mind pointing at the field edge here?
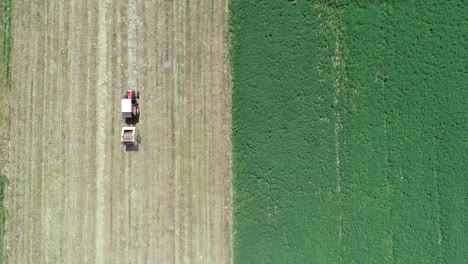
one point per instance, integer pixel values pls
(6, 7)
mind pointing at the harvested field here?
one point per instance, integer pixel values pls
(75, 195)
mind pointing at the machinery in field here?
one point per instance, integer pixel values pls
(131, 114)
(130, 109)
(129, 136)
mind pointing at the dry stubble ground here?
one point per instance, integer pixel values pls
(75, 195)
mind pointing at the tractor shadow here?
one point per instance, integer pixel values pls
(132, 120)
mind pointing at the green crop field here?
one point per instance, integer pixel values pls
(5, 83)
(350, 139)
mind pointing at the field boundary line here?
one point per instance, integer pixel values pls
(5, 116)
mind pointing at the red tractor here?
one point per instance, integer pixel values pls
(130, 109)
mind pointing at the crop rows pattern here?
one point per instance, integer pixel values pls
(350, 131)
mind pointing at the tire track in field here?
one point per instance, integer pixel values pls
(46, 207)
(132, 44)
(102, 99)
(60, 61)
(68, 195)
(332, 24)
(74, 72)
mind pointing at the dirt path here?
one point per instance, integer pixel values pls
(75, 195)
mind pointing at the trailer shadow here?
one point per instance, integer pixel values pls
(134, 147)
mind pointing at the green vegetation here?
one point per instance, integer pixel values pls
(6, 35)
(7, 40)
(285, 183)
(350, 131)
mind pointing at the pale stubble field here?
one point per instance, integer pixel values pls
(75, 195)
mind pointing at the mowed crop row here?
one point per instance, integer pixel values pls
(350, 132)
(74, 194)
